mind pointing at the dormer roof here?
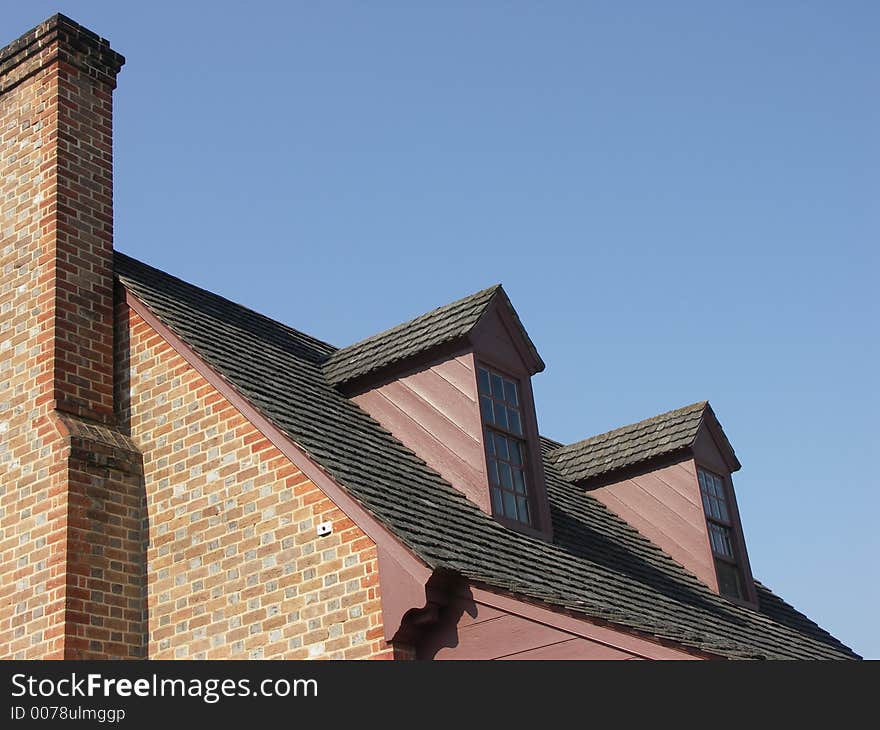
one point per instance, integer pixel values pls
(443, 326)
(638, 443)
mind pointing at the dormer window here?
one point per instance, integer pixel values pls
(721, 534)
(505, 446)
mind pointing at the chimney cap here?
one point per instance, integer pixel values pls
(77, 45)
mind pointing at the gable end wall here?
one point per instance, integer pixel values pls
(234, 565)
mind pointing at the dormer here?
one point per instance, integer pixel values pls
(670, 477)
(454, 386)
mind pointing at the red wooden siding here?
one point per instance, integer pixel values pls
(472, 629)
(433, 409)
(434, 412)
(665, 506)
(494, 339)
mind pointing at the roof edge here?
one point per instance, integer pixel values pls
(717, 431)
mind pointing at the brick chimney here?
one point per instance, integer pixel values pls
(71, 566)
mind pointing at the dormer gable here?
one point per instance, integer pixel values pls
(454, 385)
(670, 478)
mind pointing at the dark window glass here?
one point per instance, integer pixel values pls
(729, 583)
(500, 416)
(714, 501)
(497, 386)
(513, 422)
(720, 537)
(505, 449)
(510, 393)
(484, 382)
(497, 507)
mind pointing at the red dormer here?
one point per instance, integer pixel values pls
(670, 478)
(454, 386)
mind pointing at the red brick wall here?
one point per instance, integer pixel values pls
(235, 567)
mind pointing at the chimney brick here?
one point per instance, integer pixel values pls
(71, 485)
(56, 85)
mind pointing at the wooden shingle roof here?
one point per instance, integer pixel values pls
(450, 323)
(628, 446)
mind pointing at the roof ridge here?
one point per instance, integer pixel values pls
(627, 446)
(439, 326)
(130, 260)
(476, 296)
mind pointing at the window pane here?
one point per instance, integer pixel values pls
(714, 500)
(513, 423)
(710, 484)
(717, 545)
(497, 387)
(714, 539)
(490, 441)
(486, 404)
(519, 483)
(509, 505)
(501, 447)
(523, 509)
(505, 474)
(510, 392)
(728, 542)
(713, 508)
(728, 579)
(500, 415)
(706, 505)
(516, 456)
(721, 543)
(483, 380)
(496, 501)
(722, 510)
(493, 472)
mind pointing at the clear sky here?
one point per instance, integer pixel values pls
(680, 198)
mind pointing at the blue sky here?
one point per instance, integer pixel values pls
(681, 200)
